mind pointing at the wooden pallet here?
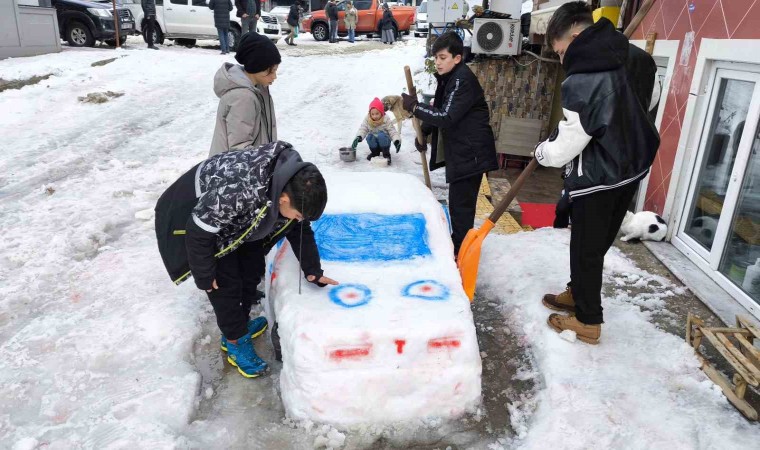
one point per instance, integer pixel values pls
(740, 353)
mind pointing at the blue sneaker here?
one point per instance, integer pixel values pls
(244, 357)
(256, 327)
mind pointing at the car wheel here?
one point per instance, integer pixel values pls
(78, 35)
(320, 32)
(233, 37)
(158, 36)
(185, 42)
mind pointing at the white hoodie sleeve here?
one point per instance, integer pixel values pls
(568, 142)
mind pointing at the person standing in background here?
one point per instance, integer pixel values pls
(332, 15)
(352, 16)
(222, 10)
(149, 10)
(294, 18)
(249, 12)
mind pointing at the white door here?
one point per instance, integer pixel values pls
(720, 221)
(202, 18)
(177, 16)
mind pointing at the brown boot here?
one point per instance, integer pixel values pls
(589, 334)
(560, 302)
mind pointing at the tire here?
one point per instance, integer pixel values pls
(233, 38)
(78, 35)
(158, 35)
(320, 31)
(185, 42)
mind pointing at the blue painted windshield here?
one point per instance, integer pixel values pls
(371, 237)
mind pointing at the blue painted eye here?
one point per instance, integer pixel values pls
(350, 295)
(426, 290)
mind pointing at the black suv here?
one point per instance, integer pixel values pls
(84, 22)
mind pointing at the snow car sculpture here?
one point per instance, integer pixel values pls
(395, 341)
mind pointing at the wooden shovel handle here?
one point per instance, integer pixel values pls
(417, 127)
(504, 203)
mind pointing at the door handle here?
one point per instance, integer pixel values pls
(192, 10)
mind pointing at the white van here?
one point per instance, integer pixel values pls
(186, 21)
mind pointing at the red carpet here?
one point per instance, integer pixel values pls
(537, 215)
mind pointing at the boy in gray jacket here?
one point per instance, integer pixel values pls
(245, 116)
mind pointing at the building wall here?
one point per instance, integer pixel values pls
(27, 30)
(680, 20)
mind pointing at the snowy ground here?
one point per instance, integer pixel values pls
(98, 349)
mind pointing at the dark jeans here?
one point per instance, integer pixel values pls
(223, 39)
(596, 220)
(463, 196)
(248, 23)
(351, 35)
(237, 275)
(150, 28)
(333, 31)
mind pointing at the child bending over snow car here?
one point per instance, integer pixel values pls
(219, 220)
(379, 131)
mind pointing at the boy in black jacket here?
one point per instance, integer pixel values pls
(219, 220)
(462, 139)
(606, 143)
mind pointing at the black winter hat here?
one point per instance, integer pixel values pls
(257, 53)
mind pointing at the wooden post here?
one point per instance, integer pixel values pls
(651, 37)
(116, 23)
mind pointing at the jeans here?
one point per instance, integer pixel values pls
(223, 39)
(351, 34)
(333, 31)
(249, 24)
(378, 140)
(150, 24)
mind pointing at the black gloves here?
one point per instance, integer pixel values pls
(397, 144)
(356, 142)
(420, 147)
(409, 102)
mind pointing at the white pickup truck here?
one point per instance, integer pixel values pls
(185, 21)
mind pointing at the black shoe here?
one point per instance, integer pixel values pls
(369, 157)
(153, 47)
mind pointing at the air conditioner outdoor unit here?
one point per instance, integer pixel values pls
(496, 37)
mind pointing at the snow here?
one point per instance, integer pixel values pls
(99, 349)
(382, 351)
(639, 388)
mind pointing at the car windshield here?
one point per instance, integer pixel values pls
(369, 237)
(422, 8)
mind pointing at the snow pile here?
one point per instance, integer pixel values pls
(639, 388)
(397, 342)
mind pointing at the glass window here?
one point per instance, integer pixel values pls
(158, 2)
(422, 8)
(740, 260)
(200, 3)
(730, 113)
(179, 2)
(363, 4)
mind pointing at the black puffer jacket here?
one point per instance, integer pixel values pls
(387, 22)
(459, 116)
(294, 15)
(221, 10)
(149, 8)
(224, 201)
(606, 140)
(332, 11)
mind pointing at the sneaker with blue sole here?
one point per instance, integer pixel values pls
(256, 327)
(244, 357)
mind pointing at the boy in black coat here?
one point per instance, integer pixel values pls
(219, 220)
(462, 139)
(606, 143)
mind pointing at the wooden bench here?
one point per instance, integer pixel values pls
(736, 345)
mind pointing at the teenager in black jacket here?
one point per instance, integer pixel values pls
(219, 220)
(607, 144)
(462, 139)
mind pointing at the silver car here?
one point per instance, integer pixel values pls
(281, 12)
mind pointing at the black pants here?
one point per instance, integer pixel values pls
(237, 275)
(596, 220)
(376, 152)
(463, 196)
(150, 25)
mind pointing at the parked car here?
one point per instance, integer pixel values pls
(370, 13)
(82, 22)
(421, 26)
(281, 13)
(186, 21)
